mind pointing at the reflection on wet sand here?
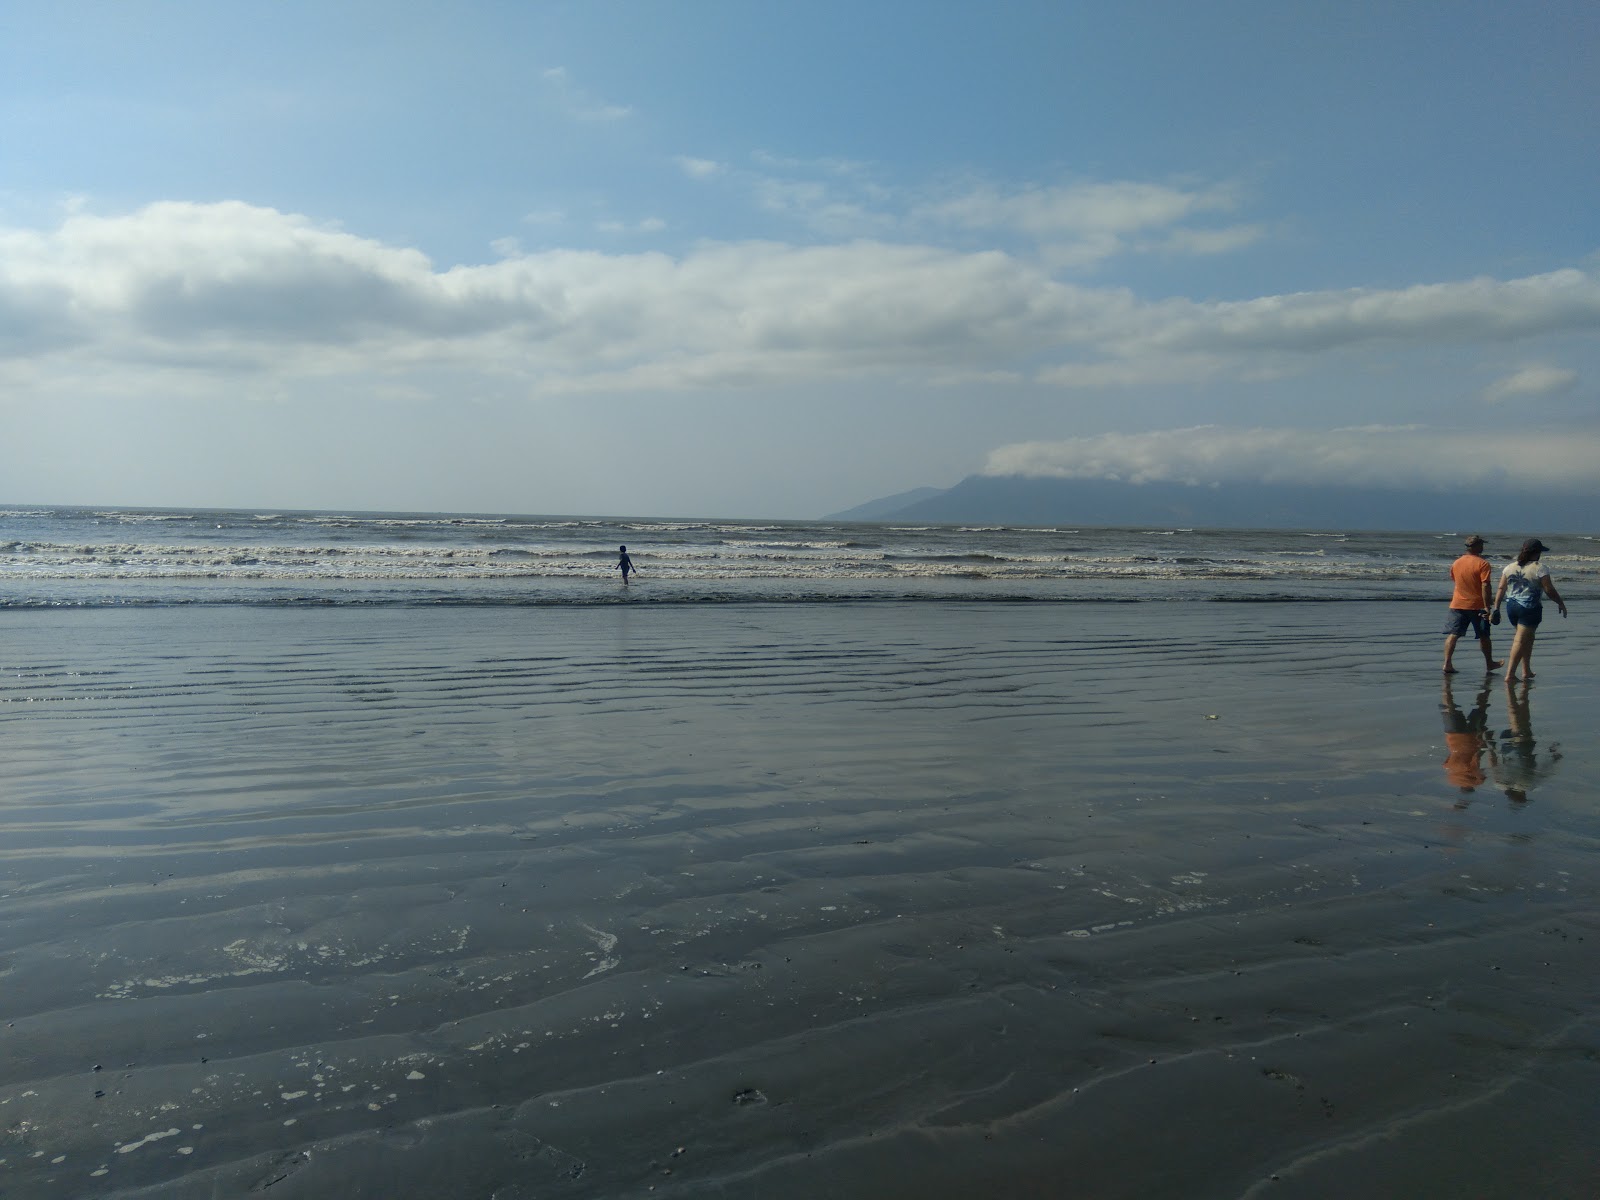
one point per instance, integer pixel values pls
(1518, 764)
(1466, 737)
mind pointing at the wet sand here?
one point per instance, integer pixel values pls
(1149, 901)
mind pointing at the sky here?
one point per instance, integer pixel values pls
(721, 258)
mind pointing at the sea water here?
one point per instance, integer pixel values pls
(98, 556)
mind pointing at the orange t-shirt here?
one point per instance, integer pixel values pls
(1463, 764)
(1471, 573)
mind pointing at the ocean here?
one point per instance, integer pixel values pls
(127, 556)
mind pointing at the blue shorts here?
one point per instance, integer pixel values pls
(1528, 615)
(1461, 618)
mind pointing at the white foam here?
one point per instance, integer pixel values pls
(130, 1147)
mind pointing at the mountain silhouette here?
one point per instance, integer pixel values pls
(1034, 500)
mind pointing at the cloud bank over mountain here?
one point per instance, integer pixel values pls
(1373, 477)
(1368, 457)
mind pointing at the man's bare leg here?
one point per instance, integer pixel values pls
(1450, 641)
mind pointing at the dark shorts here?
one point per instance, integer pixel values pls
(1524, 614)
(1461, 619)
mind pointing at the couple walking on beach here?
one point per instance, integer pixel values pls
(1523, 585)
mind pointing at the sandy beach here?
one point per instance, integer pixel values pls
(935, 900)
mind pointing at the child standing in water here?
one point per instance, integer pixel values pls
(624, 563)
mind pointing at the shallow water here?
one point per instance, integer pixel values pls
(850, 900)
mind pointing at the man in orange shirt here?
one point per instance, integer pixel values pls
(1469, 606)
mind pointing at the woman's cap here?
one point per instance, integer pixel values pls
(1534, 546)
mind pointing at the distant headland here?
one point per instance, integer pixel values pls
(1039, 500)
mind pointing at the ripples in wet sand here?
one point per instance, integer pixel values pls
(939, 900)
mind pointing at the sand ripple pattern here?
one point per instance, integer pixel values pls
(931, 900)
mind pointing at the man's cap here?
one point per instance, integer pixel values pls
(1534, 544)
(1474, 540)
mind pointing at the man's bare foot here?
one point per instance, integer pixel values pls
(1449, 670)
(1527, 674)
(1494, 665)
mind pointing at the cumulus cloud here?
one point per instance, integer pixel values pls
(1371, 456)
(237, 285)
(191, 278)
(1533, 380)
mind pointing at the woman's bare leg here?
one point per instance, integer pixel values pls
(1521, 652)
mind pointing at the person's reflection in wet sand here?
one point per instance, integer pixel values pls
(1519, 766)
(1466, 736)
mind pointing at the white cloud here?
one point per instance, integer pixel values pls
(1076, 210)
(1533, 380)
(1069, 227)
(1372, 456)
(1470, 310)
(1145, 372)
(1082, 253)
(231, 284)
(236, 286)
(577, 103)
(1162, 342)
(832, 197)
(1080, 225)
(190, 280)
(698, 168)
(821, 207)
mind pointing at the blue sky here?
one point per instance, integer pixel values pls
(740, 259)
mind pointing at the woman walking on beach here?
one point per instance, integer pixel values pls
(1520, 586)
(624, 563)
